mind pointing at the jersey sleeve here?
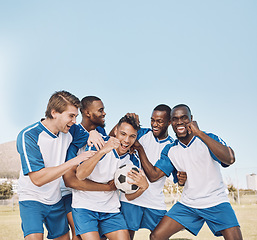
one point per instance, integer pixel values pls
(218, 139)
(30, 154)
(165, 164)
(79, 139)
(101, 131)
(142, 131)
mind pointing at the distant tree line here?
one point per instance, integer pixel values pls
(6, 191)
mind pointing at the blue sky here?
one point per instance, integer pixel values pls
(135, 55)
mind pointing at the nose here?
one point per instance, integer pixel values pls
(154, 123)
(104, 113)
(74, 120)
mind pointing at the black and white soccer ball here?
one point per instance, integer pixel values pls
(121, 179)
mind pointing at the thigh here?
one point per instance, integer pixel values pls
(32, 218)
(166, 228)
(56, 221)
(117, 235)
(34, 236)
(90, 236)
(233, 233)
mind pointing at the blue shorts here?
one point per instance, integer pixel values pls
(141, 217)
(90, 221)
(67, 202)
(218, 218)
(34, 214)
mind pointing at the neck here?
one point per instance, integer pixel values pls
(88, 126)
(186, 139)
(49, 124)
(163, 136)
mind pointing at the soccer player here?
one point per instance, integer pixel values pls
(148, 209)
(204, 199)
(99, 211)
(42, 148)
(93, 118)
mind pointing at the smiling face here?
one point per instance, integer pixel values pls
(127, 136)
(64, 120)
(96, 113)
(180, 117)
(160, 123)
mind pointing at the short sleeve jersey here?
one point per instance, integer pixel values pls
(103, 172)
(153, 197)
(73, 151)
(204, 186)
(40, 148)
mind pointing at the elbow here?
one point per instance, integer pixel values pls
(79, 177)
(153, 179)
(38, 183)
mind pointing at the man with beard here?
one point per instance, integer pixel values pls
(204, 199)
(148, 209)
(93, 118)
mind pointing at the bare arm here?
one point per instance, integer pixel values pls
(140, 180)
(153, 173)
(87, 167)
(222, 152)
(72, 181)
(49, 174)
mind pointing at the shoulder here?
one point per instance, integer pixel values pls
(169, 147)
(215, 137)
(101, 131)
(142, 131)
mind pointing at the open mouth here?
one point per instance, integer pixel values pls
(181, 129)
(124, 146)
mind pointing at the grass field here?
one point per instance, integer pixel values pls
(247, 216)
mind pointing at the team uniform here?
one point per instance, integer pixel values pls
(66, 191)
(39, 148)
(148, 209)
(99, 210)
(204, 197)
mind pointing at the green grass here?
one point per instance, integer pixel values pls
(247, 216)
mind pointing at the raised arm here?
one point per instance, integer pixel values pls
(223, 153)
(87, 167)
(153, 173)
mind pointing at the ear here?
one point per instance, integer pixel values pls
(115, 131)
(53, 113)
(87, 113)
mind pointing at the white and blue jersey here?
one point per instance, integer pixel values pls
(73, 151)
(40, 148)
(204, 187)
(103, 172)
(153, 197)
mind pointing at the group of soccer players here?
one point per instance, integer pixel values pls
(68, 170)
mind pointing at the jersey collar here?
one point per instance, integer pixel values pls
(189, 144)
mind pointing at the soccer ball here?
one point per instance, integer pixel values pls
(121, 179)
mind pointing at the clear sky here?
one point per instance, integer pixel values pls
(135, 55)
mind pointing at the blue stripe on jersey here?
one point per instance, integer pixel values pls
(31, 157)
(165, 164)
(142, 131)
